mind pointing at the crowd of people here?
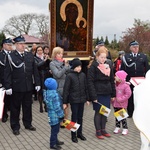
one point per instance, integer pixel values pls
(60, 85)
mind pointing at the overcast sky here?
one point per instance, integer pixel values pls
(110, 16)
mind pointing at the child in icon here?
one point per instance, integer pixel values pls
(55, 111)
(123, 93)
(75, 93)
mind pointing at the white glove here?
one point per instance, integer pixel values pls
(9, 92)
(2, 88)
(37, 88)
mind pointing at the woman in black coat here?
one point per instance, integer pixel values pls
(42, 61)
(101, 89)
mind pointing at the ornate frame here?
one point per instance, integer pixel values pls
(85, 14)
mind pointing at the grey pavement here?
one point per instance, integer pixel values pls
(39, 139)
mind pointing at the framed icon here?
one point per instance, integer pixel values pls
(72, 26)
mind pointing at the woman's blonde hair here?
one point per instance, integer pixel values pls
(56, 50)
(102, 49)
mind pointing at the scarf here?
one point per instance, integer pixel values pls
(40, 56)
(104, 68)
(59, 59)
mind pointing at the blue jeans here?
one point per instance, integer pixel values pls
(54, 133)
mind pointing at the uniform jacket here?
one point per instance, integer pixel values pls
(54, 106)
(99, 83)
(75, 88)
(139, 69)
(59, 71)
(20, 79)
(3, 59)
(123, 93)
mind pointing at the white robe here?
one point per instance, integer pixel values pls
(142, 111)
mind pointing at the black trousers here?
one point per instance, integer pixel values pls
(19, 99)
(7, 100)
(77, 115)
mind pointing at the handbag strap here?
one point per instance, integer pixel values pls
(98, 103)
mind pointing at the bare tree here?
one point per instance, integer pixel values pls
(31, 24)
(18, 24)
(42, 23)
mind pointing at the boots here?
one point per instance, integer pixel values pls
(80, 135)
(74, 137)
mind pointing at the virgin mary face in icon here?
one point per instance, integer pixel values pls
(71, 13)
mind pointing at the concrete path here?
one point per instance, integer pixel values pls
(39, 139)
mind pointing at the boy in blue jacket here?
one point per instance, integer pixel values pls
(55, 111)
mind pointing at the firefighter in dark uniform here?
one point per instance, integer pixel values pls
(6, 49)
(18, 78)
(136, 65)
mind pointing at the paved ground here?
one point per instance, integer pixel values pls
(39, 140)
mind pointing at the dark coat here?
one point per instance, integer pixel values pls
(21, 79)
(75, 88)
(99, 83)
(43, 68)
(139, 69)
(3, 59)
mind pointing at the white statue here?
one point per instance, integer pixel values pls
(142, 111)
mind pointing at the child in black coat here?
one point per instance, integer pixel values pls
(75, 93)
